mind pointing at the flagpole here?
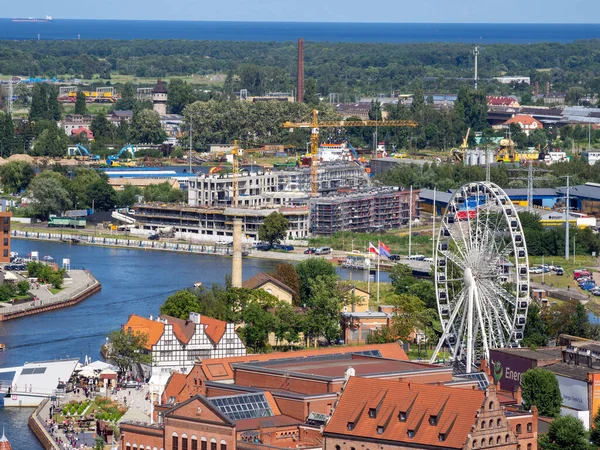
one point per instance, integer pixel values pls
(410, 205)
(378, 278)
(433, 227)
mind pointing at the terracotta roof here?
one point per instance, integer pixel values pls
(265, 422)
(456, 411)
(215, 369)
(175, 384)
(183, 329)
(524, 119)
(500, 101)
(214, 328)
(4, 444)
(153, 328)
(83, 130)
(260, 279)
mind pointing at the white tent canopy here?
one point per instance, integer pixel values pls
(100, 365)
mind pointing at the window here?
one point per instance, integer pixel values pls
(337, 447)
(379, 430)
(350, 426)
(483, 442)
(491, 425)
(402, 417)
(483, 425)
(491, 441)
(203, 445)
(411, 433)
(518, 428)
(223, 446)
(528, 446)
(529, 427)
(194, 444)
(506, 438)
(175, 443)
(128, 446)
(5, 254)
(498, 440)
(6, 220)
(184, 443)
(213, 446)
(5, 241)
(499, 423)
(491, 405)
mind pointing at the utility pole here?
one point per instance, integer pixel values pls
(410, 206)
(476, 53)
(9, 108)
(567, 223)
(488, 157)
(530, 187)
(190, 145)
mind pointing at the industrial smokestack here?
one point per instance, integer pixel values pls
(300, 92)
(236, 265)
(536, 91)
(547, 88)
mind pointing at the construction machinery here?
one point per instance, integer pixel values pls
(458, 154)
(115, 160)
(86, 153)
(315, 124)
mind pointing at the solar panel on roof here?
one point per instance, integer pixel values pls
(480, 377)
(247, 406)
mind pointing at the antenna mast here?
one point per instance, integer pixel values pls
(476, 53)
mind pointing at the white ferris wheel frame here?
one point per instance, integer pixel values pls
(476, 312)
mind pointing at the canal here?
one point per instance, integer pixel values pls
(133, 282)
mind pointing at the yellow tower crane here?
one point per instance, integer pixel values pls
(315, 124)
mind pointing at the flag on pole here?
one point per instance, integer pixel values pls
(384, 250)
(373, 249)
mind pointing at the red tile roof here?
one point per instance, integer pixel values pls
(362, 399)
(152, 328)
(85, 130)
(260, 279)
(500, 101)
(174, 386)
(524, 119)
(183, 329)
(214, 328)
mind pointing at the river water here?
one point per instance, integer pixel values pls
(133, 282)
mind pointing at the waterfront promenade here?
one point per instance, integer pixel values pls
(78, 285)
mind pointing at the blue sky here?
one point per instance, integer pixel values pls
(482, 11)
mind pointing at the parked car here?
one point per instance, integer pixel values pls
(560, 272)
(535, 270)
(394, 258)
(323, 251)
(310, 251)
(287, 248)
(595, 291)
(588, 286)
(154, 237)
(262, 247)
(221, 242)
(557, 268)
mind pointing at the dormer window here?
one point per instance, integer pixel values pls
(402, 416)
(379, 429)
(411, 433)
(433, 420)
(441, 437)
(372, 413)
(350, 426)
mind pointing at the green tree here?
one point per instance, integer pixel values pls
(23, 287)
(565, 432)
(323, 316)
(579, 323)
(146, 128)
(311, 94)
(180, 305)
(288, 323)
(103, 130)
(595, 433)
(39, 103)
(536, 329)
(540, 388)
(311, 269)
(274, 228)
(287, 274)
(48, 197)
(51, 142)
(16, 176)
(127, 196)
(80, 106)
(7, 135)
(128, 348)
(54, 108)
(258, 323)
(163, 193)
(181, 94)
(471, 107)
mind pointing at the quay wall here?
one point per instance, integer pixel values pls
(63, 301)
(37, 427)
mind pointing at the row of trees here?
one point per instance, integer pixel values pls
(350, 69)
(317, 290)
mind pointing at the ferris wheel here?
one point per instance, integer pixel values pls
(481, 270)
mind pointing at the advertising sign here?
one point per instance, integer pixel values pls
(508, 369)
(574, 393)
(595, 380)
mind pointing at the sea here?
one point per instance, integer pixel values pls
(396, 33)
(133, 282)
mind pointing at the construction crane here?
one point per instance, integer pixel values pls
(315, 124)
(459, 153)
(235, 151)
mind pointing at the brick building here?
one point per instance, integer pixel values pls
(391, 414)
(5, 216)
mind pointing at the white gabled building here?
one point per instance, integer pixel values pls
(175, 344)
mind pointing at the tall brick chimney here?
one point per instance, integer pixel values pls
(547, 88)
(536, 91)
(300, 87)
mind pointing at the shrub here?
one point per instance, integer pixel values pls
(23, 287)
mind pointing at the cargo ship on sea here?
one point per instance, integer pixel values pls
(33, 19)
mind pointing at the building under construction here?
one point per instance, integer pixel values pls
(373, 210)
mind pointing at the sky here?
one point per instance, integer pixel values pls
(428, 11)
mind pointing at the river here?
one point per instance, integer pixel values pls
(133, 282)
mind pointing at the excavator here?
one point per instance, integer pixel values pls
(506, 153)
(458, 154)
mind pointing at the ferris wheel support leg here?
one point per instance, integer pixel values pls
(486, 348)
(446, 331)
(470, 330)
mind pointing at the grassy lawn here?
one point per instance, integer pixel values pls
(92, 108)
(424, 353)
(553, 280)
(198, 79)
(85, 232)
(348, 241)
(55, 291)
(579, 262)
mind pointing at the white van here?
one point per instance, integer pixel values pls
(416, 257)
(323, 251)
